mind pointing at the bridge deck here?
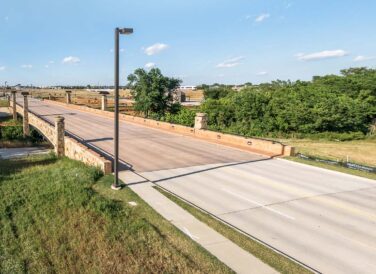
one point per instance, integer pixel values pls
(142, 148)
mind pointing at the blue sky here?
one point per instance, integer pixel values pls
(45, 42)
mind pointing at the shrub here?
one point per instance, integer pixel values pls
(184, 117)
(11, 132)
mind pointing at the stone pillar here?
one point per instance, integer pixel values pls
(8, 100)
(49, 96)
(14, 105)
(59, 136)
(104, 99)
(25, 120)
(201, 121)
(69, 98)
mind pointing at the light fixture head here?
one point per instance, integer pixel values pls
(126, 31)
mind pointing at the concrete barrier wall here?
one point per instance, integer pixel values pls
(261, 146)
(73, 149)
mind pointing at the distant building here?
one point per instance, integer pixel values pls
(187, 87)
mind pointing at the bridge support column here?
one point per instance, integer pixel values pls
(8, 100)
(69, 97)
(201, 121)
(25, 120)
(104, 99)
(59, 136)
(14, 105)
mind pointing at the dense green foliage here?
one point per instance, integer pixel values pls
(53, 220)
(12, 130)
(341, 104)
(184, 117)
(217, 92)
(334, 107)
(153, 92)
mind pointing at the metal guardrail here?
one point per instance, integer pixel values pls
(349, 165)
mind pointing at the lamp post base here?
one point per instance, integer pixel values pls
(115, 187)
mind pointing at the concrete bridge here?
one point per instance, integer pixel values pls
(324, 219)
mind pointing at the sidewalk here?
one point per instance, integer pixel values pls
(226, 251)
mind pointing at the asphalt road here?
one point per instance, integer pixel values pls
(324, 219)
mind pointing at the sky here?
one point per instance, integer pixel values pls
(70, 42)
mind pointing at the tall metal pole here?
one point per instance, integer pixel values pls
(116, 113)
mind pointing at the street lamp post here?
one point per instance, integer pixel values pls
(118, 31)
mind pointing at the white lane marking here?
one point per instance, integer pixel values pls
(261, 205)
(186, 231)
(355, 241)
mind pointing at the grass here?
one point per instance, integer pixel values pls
(268, 256)
(60, 216)
(18, 140)
(335, 168)
(3, 103)
(358, 151)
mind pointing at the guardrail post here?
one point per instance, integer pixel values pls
(201, 121)
(25, 120)
(68, 95)
(104, 99)
(59, 136)
(14, 105)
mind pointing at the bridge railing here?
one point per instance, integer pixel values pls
(74, 147)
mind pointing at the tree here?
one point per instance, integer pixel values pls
(217, 92)
(153, 92)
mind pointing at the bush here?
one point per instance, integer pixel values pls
(11, 132)
(217, 92)
(184, 117)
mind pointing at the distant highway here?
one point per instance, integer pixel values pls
(322, 218)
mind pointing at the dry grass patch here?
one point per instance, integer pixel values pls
(358, 151)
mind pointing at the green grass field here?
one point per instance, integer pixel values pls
(60, 216)
(3, 103)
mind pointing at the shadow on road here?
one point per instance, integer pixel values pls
(197, 171)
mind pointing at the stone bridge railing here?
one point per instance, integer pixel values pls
(258, 145)
(71, 148)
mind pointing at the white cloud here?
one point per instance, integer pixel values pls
(46, 66)
(51, 62)
(2, 68)
(149, 65)
(326, 54)
(71, 60)
(156, 48)
(6, 18)
(262, 73)
(27, 66)
(361, 58)
(262, 17)
(229, 63)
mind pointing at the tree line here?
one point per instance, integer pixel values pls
(342, 106)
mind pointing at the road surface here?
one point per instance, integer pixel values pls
(324, 219)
